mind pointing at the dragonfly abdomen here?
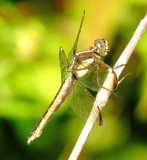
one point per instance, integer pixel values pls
(59, 98)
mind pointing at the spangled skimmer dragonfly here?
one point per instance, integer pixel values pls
(80, 72)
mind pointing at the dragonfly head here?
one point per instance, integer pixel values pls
(101, 47)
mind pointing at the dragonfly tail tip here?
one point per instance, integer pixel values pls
(30, 140)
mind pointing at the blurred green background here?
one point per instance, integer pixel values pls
(31, 33)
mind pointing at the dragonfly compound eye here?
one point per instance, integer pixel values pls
(101, 46)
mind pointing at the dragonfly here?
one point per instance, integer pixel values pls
(80, 72)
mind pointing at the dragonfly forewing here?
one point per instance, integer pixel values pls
(96, 76)
(74, 49)
(64, 64)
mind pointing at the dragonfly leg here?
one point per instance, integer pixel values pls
(91, 48)
(100, 118)
(122, 65)
(106, 65)
(123, 78)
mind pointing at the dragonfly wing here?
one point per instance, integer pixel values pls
(89, 80)
(73, 51)
(81, 100)
(63, 64)
(95, 77)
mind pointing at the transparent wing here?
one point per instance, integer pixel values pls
(81, 100)
(63, 64)
(73, 51)
(95, 77)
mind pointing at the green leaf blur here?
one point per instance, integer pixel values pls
(31, 33)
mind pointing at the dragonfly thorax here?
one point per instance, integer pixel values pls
(84, 62)
(83, 67)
